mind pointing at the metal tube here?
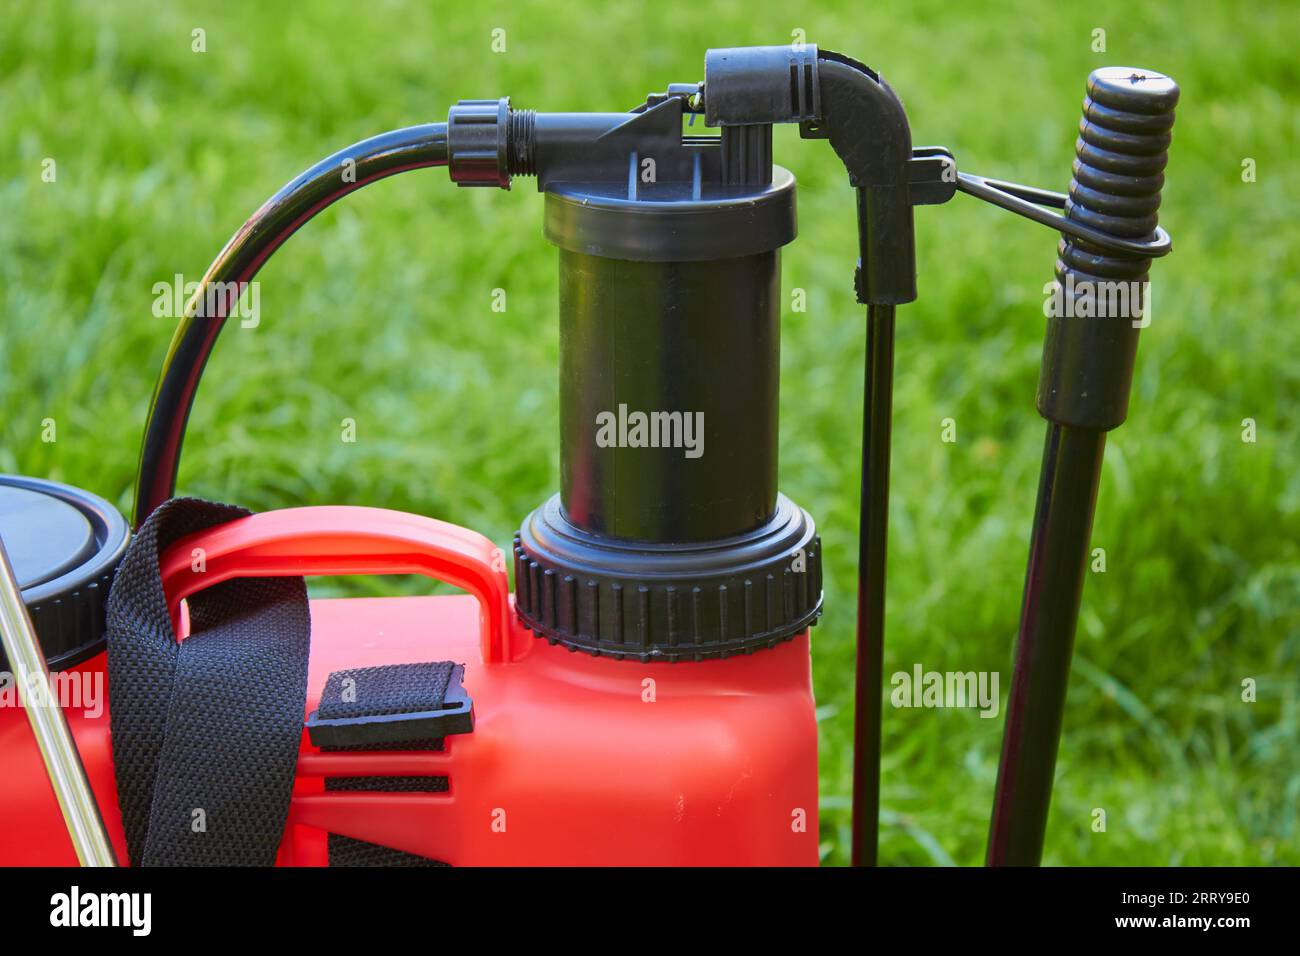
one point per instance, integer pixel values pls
(873, 537)
(265, 231)
(49, 727)
(1058, 562)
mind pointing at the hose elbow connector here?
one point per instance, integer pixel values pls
(867, 127)
(832, 96)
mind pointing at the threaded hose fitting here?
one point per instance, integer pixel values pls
(521, 142)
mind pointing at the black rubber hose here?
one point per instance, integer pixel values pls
(265, 231)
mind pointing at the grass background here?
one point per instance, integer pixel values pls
(381, 311)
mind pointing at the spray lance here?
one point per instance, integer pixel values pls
(669, 322)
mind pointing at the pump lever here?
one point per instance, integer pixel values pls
(1028, 201)
(934, 180)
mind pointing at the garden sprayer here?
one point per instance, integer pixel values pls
(644, 695)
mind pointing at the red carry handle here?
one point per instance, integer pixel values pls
(344, 540)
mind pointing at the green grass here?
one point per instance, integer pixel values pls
(381, 311)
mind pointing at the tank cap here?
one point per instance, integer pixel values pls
(64, 544)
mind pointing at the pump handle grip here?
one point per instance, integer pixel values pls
(345, 540)
(1118, 174)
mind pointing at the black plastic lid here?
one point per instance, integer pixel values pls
(64, 545)
(671, 221)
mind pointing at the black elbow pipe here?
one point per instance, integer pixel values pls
(867, 127)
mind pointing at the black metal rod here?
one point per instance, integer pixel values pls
(873, 536)
(1058, 563)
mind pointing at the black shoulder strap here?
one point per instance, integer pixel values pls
(193, 723)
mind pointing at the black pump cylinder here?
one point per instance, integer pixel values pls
(669, 376)
(669, 539)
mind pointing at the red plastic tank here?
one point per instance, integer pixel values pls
(573, 760)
